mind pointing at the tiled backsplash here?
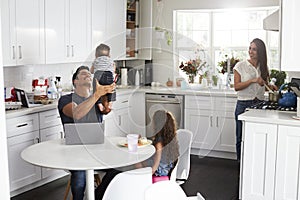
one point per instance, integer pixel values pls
(22, 76)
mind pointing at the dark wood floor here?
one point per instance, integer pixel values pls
(214, 178)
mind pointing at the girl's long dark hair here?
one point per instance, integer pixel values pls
(165, 129)
(262, 58)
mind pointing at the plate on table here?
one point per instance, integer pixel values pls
(295, 117)
(123, 143)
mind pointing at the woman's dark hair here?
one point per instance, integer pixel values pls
(77, 72)
(262, 58)
(165, 129)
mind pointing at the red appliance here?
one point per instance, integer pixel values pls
(39, 88)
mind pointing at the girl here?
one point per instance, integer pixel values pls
(165, 142)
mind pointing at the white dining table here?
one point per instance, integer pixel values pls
(57, 155)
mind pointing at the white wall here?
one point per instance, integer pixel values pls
(164, 67)
(4, 183)
(22, 76)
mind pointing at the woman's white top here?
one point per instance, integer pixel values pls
(247, 71)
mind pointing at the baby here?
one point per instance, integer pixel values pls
(103, 69)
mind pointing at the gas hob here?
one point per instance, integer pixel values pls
(268, 105)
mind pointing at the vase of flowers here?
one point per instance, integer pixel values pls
(192, 68)
(228, 63)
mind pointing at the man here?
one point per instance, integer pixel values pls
(79, 107)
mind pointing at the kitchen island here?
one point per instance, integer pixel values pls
(270, 155)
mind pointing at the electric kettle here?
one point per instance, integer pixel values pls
(288, 99)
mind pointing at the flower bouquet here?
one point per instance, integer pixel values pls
(193, 67)
(224, 64)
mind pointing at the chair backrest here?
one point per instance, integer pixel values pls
(185, 141)
(164, 190)
(129, 184)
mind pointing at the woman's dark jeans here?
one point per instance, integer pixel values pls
(240, 108)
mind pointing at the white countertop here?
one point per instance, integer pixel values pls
(178, 90)
(26, 111)
(130, 90)
(270, 117)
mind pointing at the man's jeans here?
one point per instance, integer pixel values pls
(240, 108)
(77, 184)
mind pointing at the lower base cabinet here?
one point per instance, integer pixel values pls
(24, 131)
(21, 173)
(271, 162)
(212, 121)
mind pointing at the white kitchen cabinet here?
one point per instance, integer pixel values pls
(98, 21)
(117, 122)
(290, 31)
(145, 30)
(109, 24)
(22, 32)
(22, 132)
(225, 123)
(50, 129)
(115, 28)
(139, 21)
(259, 161)
(67, 30)
(288, 163)
(211, 119)
(271, 157)
(137, 115)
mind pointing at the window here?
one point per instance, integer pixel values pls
(222, 32)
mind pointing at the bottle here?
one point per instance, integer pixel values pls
(137, 78)
(58, 86)
(52, 90)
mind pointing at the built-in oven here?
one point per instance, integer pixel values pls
(170, 102)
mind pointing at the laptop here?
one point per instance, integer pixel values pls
(84, 133)
(22, 97)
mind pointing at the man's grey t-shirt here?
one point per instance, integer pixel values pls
(93, 115)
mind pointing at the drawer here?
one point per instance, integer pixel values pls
(199, 102)
(23, 124)
(49, 118)
(225, 103)
(121, 102)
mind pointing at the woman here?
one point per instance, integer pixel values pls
(249, 79)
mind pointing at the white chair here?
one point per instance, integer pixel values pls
(183, 165)
(129, 185)
(164, 190)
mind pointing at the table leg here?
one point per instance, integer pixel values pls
(90, 184)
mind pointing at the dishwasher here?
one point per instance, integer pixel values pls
(170, 102)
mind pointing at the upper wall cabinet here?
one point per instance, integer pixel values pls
(145, 30)
(125, 26)
(22, 32)
(139, 29)
(108, 26)
(66, 31)
(290, 31)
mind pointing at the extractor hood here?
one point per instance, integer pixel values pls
(271, 23)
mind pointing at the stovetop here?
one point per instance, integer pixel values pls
(268, 105)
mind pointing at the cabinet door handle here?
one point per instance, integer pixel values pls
(14, 52)
(68, 48)
(36, 140)
(21, 125)
(20, 52)
(217, 122)
(72, 47)
(62, 134)
(211, 121)
(119, 120)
